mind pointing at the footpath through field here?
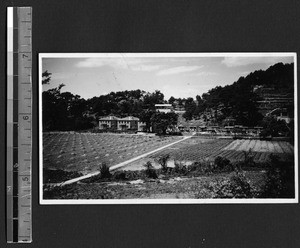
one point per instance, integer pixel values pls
(117, 166)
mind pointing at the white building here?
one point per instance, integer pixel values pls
(129, 123)
(165, 108)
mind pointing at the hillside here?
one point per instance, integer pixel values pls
(241, 100)
(246, 101)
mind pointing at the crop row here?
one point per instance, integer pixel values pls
(232, 150)
(194, 152)
(261, 146)
(85, 152)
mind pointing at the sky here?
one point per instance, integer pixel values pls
(177, 75)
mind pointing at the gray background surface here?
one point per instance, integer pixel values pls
(154, 26)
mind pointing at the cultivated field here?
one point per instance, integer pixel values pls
(195, 149)
(84, 152)
(198, 149)
(72, 155)
(260, 149)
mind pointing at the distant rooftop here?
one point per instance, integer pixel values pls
(110, 117)
(129, 118)
(163, 105)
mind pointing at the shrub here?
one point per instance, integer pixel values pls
(248, 158)
(193, 167)
(200, 168)
(180, 168)
(162, 160)
(104, 171)
(120, 175)
(279, 179)
(240, 186)
(237, 186)
(223, 164)
(150, 171)
(128, 175)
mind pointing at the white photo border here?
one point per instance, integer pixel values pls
(165, 201)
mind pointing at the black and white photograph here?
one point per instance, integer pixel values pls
(119, 128)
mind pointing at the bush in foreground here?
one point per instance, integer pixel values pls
(279, 179)
(223, 164)
(150, 171)
(237, 186)
(104, 171)
(180, 168)
(162, 160)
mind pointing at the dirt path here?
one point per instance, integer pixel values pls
(117, 166)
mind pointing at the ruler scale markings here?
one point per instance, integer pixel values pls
(24, 53)
(19, 124)
(15, 119)
(9, 151)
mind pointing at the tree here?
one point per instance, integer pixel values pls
(54, 114)
(190, 108)
(151, 99)
(162, 121)
(201, 106)
(146, 116)
(239, 100)
(62, 110)
(46, 77)
(273, 127)
(171, 100)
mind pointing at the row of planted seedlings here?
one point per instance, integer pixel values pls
(54, 141)
(196, 151)
(206, 149)
(71, 141)
(261, 146)
(51, 137)
(76, 139)
(84, 152)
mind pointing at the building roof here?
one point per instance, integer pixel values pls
(129, 118)
(108, 118)
(163, 105)
(111, 118)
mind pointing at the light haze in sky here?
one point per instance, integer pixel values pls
(174, 76)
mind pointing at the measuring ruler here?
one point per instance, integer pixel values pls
(19, 113)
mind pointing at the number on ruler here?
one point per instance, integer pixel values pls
(24, 55)
(25, 179)
(8, 189)
(26, 117)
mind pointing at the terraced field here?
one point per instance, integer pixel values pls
(260, 149)
(197, 149)
(84, 152)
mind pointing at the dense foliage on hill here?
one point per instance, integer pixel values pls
(65, 111)
(280, 76)
(124, 103)
(239, 100)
